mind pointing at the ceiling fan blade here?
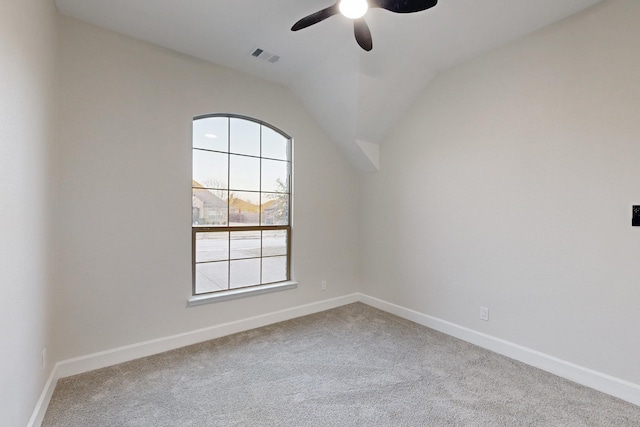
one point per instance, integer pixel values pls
(363, 34)
(403, 6)
(314, 18)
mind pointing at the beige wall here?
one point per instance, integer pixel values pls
(126, 111)
(27, 133)
(510, 185)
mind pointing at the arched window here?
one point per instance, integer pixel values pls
(241, 225)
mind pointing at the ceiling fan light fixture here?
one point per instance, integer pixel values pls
(356, 9)
(353, 9)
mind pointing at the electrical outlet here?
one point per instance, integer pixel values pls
(484, 314)
(44, 358)
(323, 285)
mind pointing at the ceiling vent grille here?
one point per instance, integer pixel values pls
(263, 55)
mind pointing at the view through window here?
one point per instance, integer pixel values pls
(241, 217)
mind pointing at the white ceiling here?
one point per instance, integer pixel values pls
(355, 96)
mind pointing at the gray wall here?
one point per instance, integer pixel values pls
(27, 134)
(509, 185)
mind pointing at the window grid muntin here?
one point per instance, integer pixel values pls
(197, 228)
(195, 231)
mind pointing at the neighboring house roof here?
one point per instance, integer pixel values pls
(270, 205)
(244, 206)
(211, 200)
(207, 198)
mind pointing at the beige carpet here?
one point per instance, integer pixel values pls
(351, 366)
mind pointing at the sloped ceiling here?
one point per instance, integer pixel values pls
(355, 96)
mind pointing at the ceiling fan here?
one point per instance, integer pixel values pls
(356, 9)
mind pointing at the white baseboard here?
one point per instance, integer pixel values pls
(43, 401)
(114, 356)
(613, 386)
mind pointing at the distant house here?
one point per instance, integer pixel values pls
(208, 209)
(273, 212)
(243, 212)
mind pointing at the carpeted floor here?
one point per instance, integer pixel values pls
(351, 366)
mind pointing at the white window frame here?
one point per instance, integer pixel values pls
(256, 289)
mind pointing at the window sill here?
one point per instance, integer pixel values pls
(240, 293)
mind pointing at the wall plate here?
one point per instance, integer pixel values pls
(635, 221)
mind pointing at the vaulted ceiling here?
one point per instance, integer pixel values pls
(355, 96)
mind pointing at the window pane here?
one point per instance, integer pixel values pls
(244, 173)
(244, 208)
(210, 169)
(245, 137)
(245, 244)
(274, 269)
(212, 276)
(212, 247)
(245, 272)
(275, 211)
(274, 145)
(211, 133)
(275, 176)
(209, 207)
(274, 242)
